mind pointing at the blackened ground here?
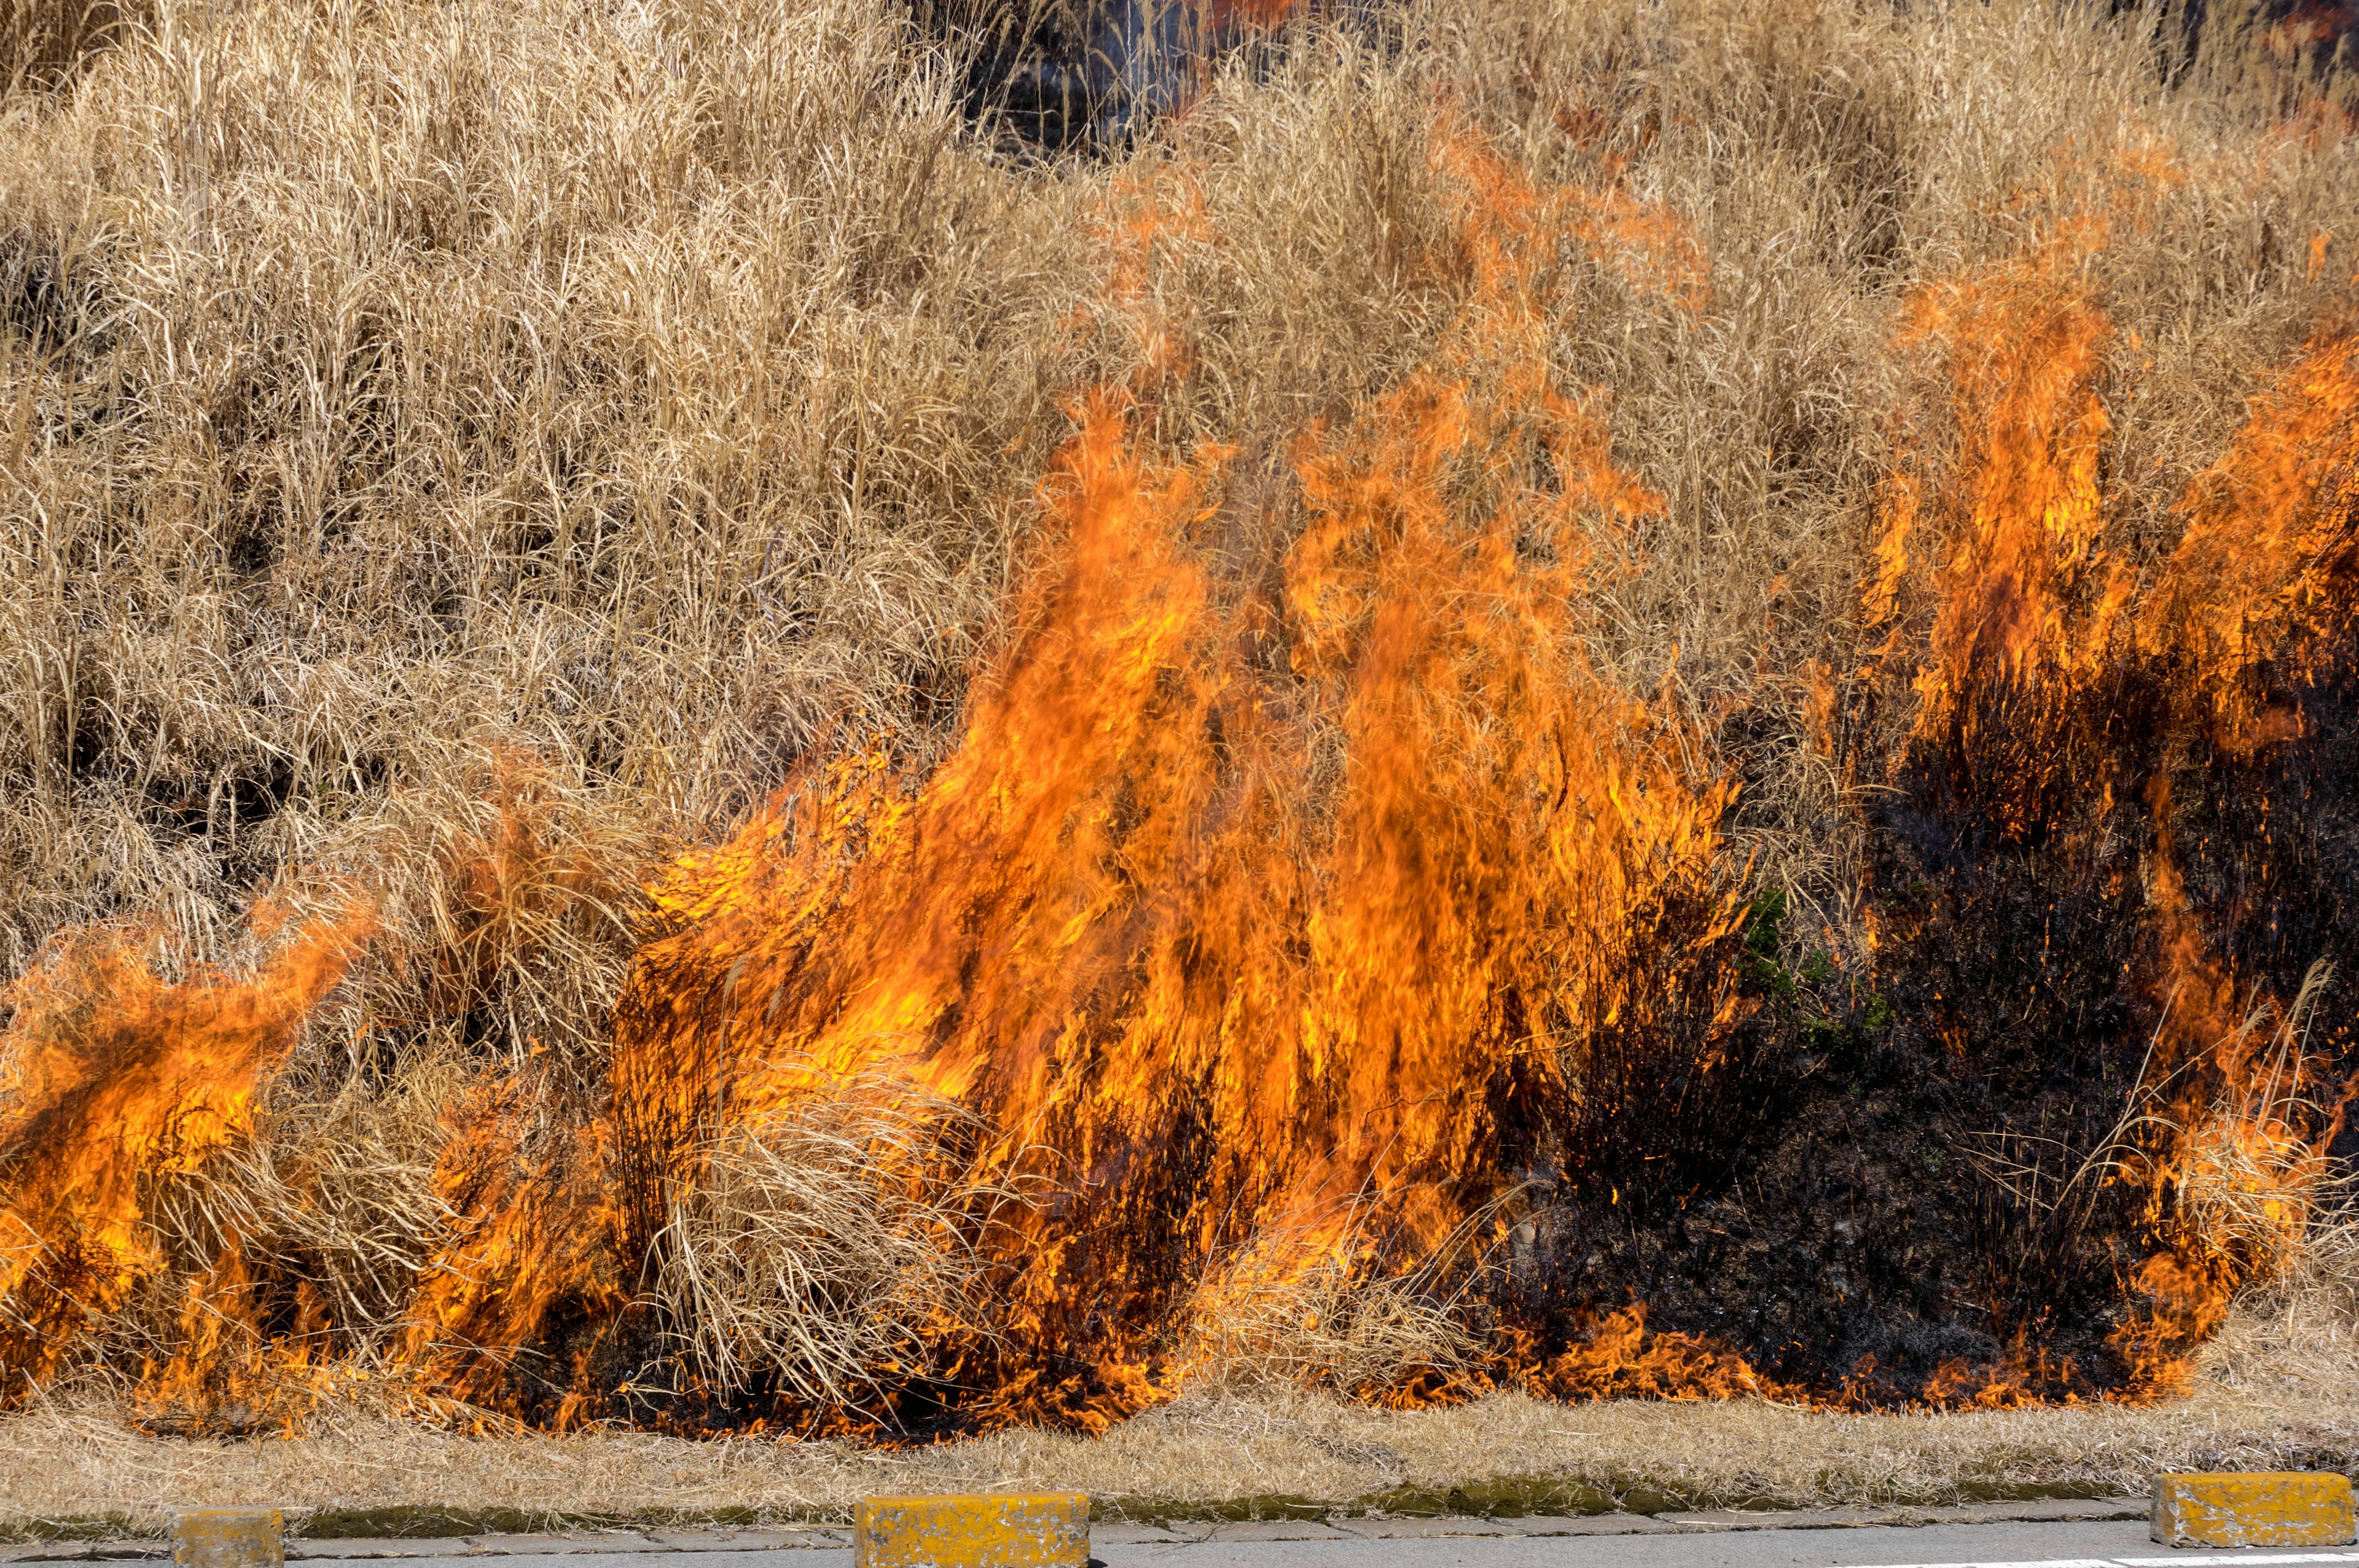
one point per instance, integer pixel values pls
(1896, 1184)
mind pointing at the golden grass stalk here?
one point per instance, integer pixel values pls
(820, 1245)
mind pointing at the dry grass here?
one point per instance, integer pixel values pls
(645, 389)
(1321, 1312)
(455, 451)
(395, 388)
(337, 1194)
(825, 1241)
(2278, 1388)
(1202, 1451)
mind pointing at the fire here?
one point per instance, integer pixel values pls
(1619, 1359)
(1287, 840)
(117, 1079)
(1304, 904)
(2026, 592)
(2040, 629)
(2262, 573)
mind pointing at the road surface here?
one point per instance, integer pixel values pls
(2059, 1535)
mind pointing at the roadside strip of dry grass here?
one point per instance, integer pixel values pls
(66, 1472)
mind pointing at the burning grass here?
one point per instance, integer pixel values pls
(1558, 698)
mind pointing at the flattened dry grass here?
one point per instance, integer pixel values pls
(1207, 1450)
(2276, 1388)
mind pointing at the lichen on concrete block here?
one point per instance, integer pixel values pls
(229, 1538)
(2255, 1508)
(1040, 1530)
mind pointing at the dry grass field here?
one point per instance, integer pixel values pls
(2276, 1390)
(399, 393)
(459, 459)
(1220, 1456)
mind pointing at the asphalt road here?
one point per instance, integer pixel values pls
(2051, 1545)
(1608, 1542)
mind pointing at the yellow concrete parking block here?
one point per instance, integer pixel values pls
(229, 1538)
(1038, 1529)
(2291, 1507)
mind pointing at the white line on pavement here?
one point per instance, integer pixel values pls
(2035, 1562)
(2246, 1559)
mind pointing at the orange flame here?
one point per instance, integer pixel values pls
(2034, 613)
(115, 1078)
(1199, 998)
(2025, 348)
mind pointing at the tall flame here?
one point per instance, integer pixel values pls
(1292, 836)
(2064, 687)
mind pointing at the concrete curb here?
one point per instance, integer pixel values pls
(1693, 1523)
(656, 1542)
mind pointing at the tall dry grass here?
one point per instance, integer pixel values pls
(456, 451)
(645, 387)
(828, 1241)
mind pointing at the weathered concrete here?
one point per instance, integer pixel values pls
(2292, 1508)
(981, 1529)
(229, 1538)
(2109, 1532)
(1605, 1541)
